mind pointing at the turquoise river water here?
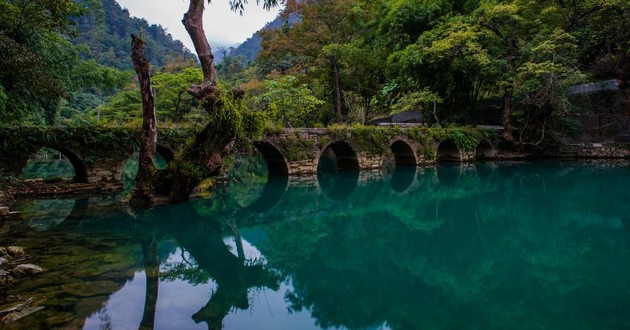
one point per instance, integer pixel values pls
(476, 246)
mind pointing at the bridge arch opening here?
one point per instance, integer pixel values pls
(130, 166)
(399, 167)
(258, 179)
(53, 163)
(485, 150)
(338, 170)
(276, 164)
(342, 154)
(403, 154)
(167, 153)
(448, 151)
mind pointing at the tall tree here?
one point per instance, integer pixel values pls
(203, 157)
(319, 44)
(35, 60)
(142, 191)
(193, 22)
(529, 45)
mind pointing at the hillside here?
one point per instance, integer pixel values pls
(250, 48)
(106, 31)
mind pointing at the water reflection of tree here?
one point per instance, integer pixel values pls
(235, 276)
(529, 246)
(151, 261)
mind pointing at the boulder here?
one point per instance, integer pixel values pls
(26, 270)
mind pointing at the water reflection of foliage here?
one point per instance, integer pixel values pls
(81, 271)
(496, 266)
(44, 214)
(248, 178)
(534, 246)
(185, 271)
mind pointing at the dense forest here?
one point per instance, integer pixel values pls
(324, 62)
(106, 30)
(372, 58)
(61, 60)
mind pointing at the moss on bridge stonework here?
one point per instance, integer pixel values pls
(93, 144)
(301, 144)
(103, 150)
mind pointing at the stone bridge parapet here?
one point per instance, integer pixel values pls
(99, 153)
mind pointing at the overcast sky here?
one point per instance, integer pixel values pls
(223, 27)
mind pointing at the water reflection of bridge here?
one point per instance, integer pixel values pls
(400, 244)
(202, 237)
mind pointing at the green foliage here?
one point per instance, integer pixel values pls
(288, 102)
(452, 57)
(173, 104)
(55, 57)
(294, 147)
(40, 70)
(20, 143)
(572, 127)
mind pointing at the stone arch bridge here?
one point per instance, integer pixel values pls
(98, 154)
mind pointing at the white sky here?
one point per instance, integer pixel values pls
(223, 27)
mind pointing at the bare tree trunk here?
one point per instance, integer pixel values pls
(193, 22)
(507, 115)
(435, 116)
(149, 122)
(338, 100)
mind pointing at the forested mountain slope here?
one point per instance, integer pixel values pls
(250, 48)
(106, 30)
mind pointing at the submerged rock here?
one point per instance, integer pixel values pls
(3, 261)
(16, 252)
(17, 315)
(26, 270)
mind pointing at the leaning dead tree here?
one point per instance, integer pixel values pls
(143, 191)
(203, 157)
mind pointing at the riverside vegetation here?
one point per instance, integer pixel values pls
(339, 64)
(360, 61)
